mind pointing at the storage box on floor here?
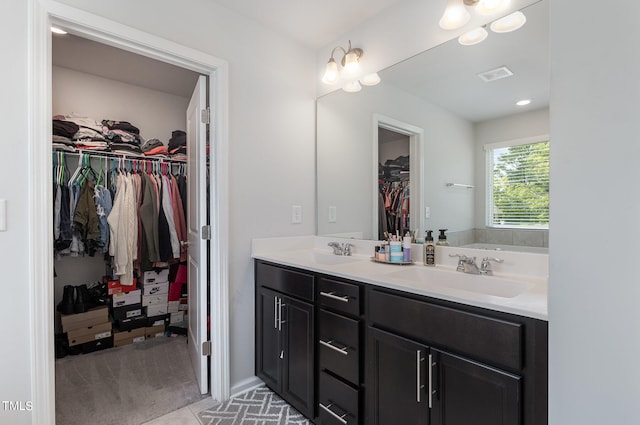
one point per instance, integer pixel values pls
(90, 330)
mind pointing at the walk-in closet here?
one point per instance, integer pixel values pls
(124, 209)
(394, 180)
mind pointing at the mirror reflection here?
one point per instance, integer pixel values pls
(412, 152)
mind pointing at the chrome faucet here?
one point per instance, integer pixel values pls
(466, 264)
(485, 266)
(341, 248)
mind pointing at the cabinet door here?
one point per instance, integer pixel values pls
(467, 392)
(298, 354)
(268, 364)
(396, 374)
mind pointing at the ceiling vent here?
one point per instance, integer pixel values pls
(495, 74)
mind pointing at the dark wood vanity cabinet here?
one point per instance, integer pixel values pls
(347, 353)
(285, 341)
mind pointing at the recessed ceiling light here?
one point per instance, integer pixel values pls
(523, 102)
(57, 30)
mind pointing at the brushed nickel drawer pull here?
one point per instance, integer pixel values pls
(332, 413)
(331, 295)
(333, 347)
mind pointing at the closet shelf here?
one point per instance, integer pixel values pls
(113, 155)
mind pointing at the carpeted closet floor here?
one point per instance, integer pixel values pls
(127, 385)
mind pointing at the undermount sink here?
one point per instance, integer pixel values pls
(319, 257)
(486, 285)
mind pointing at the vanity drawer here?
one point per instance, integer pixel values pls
(339, 345)
(290, 282)
(481, 337)
(339, 295)
(337, 402)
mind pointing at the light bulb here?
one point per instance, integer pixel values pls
(454, 17)
(331, 74)
(488, 7)
(370, 79)
(473, 37)
(509, 23)
(352, 86)
(351, 64)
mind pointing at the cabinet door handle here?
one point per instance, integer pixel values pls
(332, 413)
(419, 385)
(280, 321)
(431, 391)
(275, 312)
(331, 295)
(333, 347)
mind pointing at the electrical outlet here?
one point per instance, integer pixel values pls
(296, 214)
(427, 212)
(332, 214)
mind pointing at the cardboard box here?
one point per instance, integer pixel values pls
(132, 336)
(152, 276)
(97, 345)
(93, 333)
(132, 323)
(177, 317)
(156, 309)
(173, 306)
(94, 316)
(155, 288)
(154, 332)
(128, 311)
(154, 299)
(162, 319)
(115, 287)
(126, 298)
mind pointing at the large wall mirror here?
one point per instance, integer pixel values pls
(425, 128)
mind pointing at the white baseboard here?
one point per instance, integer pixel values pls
(246, 385)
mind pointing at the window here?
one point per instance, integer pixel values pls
(518, 184)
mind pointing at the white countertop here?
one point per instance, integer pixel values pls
(507, 291)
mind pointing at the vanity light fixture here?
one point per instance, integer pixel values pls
(473, 37)
(509, 23)
(57, 30)
(456, 14)
(351, 70)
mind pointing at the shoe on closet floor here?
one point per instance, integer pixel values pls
(67, 305)
(82, 303)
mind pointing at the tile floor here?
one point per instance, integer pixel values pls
(186, 416)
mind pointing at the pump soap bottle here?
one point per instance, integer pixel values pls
(442, 238)
(429, 250)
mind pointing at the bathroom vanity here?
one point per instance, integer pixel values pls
(349, 341)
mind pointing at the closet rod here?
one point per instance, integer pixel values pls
(109, 155)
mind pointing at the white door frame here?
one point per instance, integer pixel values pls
(416, 164)
(42, 13)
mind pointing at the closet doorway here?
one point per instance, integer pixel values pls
(398, 177)
(212, 284)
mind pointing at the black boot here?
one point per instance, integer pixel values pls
(66, 306)
(82, 299)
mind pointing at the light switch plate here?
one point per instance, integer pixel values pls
(296, 214)
(3, 215)
(333, 214)
(427, 212)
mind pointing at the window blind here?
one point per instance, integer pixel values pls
(518, 191)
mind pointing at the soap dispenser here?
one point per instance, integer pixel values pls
(442, 238)
(429, 250)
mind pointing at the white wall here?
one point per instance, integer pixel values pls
(15, 374)
(594, 290)
(155, 113)
(345, 159)
(511, 127)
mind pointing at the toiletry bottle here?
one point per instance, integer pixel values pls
(442, 238)
(406, 248)
(429, 250)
